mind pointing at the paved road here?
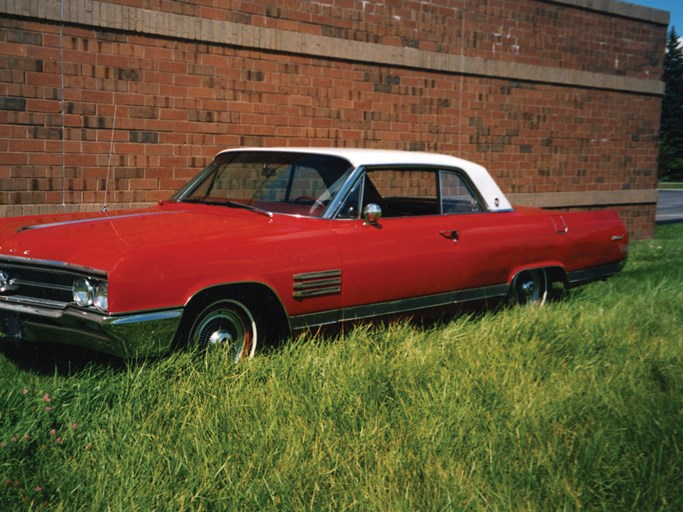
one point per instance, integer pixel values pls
(670, 206)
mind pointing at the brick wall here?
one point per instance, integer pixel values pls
(120, 102)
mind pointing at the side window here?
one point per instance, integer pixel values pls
(402, 192)
(456, 195)
(410, 193)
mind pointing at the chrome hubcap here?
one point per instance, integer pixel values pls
(220, 338)
(528, 289)
(221, 328)
(227, 327)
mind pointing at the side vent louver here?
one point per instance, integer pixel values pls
(315, 284)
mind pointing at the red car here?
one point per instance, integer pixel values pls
(266, 242)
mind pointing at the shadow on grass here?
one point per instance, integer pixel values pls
(50, 358)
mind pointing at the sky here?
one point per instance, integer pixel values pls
(675, 8)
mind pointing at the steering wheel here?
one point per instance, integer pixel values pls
(308, 199)
(316, 204)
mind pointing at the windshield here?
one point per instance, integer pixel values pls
(272, 181)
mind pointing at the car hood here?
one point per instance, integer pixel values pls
(101, 240)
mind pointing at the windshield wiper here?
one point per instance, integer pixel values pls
(225, 202)
(244, 206)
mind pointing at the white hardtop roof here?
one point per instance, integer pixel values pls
(494, 197)
(358, 157)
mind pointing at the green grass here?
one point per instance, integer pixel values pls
(670, 185)
(575, 405)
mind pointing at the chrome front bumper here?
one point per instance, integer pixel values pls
(131, 335)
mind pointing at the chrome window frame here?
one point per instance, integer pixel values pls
(334, 208)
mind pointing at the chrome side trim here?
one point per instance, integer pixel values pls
(321, 318)
(586, 275)
(316, 284)
(418, 303)
(312, 320)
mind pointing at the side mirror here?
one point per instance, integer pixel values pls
(372, 213)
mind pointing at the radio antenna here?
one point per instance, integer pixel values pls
(105, 206)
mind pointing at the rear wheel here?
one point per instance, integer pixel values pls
(228, 324)
(530, 287)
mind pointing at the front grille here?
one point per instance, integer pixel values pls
(41, 283)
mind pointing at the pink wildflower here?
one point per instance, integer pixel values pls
(48, 408)
(46, 397)
(38, 488)
(74, 426)
(25, 391)
(58, 440)
(53, 432)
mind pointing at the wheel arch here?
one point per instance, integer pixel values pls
(554, 272)
(263, 303)
(554, 277)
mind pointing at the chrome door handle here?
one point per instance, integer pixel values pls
(451, 234)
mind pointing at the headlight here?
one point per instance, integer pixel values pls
(100, 297)
(6, 282)
(82, 292)
(88, 292)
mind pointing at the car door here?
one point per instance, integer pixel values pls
(408, 258)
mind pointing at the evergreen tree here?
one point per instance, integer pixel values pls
(671, 131)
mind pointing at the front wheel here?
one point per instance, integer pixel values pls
(529, 287)
(229, 324)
